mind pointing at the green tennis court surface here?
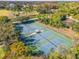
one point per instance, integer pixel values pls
(46, 40)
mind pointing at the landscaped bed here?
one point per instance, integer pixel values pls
(2, 52)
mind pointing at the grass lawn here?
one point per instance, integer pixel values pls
(2, 53)
(4, 12)
(8, 13)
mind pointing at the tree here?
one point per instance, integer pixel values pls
(56, 20)
(21, 18)
(4, 19)
(76, 16)
(7, 33)
(17, 7)
(76, 27)
(18, 49)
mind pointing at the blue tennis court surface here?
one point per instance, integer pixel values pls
(46, 40)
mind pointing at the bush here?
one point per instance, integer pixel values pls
(4, 19)
(21, 18)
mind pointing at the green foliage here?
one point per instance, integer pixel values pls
(17, 7)
(21, 18)
(28, 8)
(51, 54)
(19, 48)
(7, 34)
(56, 20)
(72, 53)
(76, 16)
(10, 37)
(4, 19)
(2, 52)
(76, 27)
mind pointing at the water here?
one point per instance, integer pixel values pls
(48, 39)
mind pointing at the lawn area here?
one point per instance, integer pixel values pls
(8, 13)
(2, 53)
(5, 12)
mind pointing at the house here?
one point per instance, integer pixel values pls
(69, 21)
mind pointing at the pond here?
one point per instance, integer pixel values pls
(46, 40)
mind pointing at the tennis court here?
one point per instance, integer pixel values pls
(46, 40)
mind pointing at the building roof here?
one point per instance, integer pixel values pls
(68, 21)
